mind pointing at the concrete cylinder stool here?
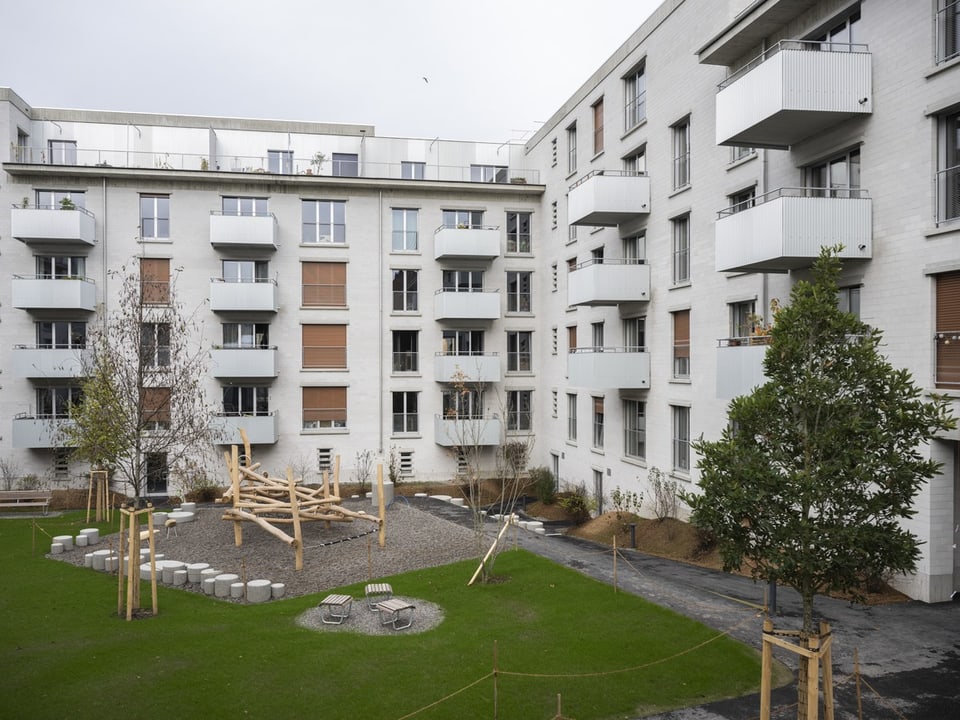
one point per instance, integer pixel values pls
(80, 541)
(88, 560)
(170, 567)
(179, 577)
(278, 590)
(209, 585)
(236, 590)
(190, 507)
(223, 583)
(56, 548)
(93, 535)
(159, 518)
(99, 559)
(66, 540)
(258, 591)
(194, 570)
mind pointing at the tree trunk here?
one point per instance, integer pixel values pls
(803, 711)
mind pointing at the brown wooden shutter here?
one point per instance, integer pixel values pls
(327, 405)
(598, 406)
(681, 334)
(948, 330)
(156, 405)
(325, 346)
(324, 284)
(571, 338)
(155, 281)
(598, 127)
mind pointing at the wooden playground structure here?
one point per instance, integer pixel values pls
(272, 502)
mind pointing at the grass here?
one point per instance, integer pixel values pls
(65, 653)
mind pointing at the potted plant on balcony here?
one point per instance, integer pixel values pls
(67, 204)
(759, 328)
(317, 161)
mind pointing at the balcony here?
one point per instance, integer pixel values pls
(609, 367)
(608, 198)
(45, 293)
(246, 362)
(786, 229)
(258, 296)
(462, 242)
(479, 305)
(467, 432)
(46, 225)
(793, 91)
(38, 362)
(38, 432)
(740, 365)
(609, 282)
(243, 231)
(480, 368)
(260, 429)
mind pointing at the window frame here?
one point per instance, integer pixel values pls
(519, 235)
(405, 351)
(329, 214)
(635, 96)
(409, 239)
(314, 292)
(519, 351)
(328, 355)
(680, 238)
(154, 216)
(634, 429)
(681, 438)
(406, 299)
(519, 291)
(328, 413)
(519, 410)
(681, 344)
(680, 132)
(407, 412)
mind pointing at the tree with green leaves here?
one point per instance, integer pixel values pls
(811, 480)
(143, 397)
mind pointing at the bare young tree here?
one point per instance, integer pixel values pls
(362, 470)
(143, 400)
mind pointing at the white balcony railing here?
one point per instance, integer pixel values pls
(243, 231)
(248, 362)
(467, 432)
(609, 282)
(480, 305)
(35, 225)
(470, 242)
(65, 293)
(740, 365)
(260, 429)
(479, 368)
(609, 367)
(608, 198)
(39, 362)
(259, 296)
(30, 431)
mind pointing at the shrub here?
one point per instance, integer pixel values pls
(625, 501)
(665, 500)
(577, 502)
(544, 484)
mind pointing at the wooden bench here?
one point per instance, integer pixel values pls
(337, 609)
(25, 499)
(392, 613)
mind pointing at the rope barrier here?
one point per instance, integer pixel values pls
(446, 697)
(341, 540)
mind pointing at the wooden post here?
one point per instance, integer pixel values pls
(813, 678)
(766, 668)
(614, 564)
(496, 708)
(153, 561)
(336, 476)
(123, 516)
(826, 659)
(295, 511)
(235, 484)
(133, 541)
(90, 496)
(382, 508)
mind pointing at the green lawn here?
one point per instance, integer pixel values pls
(64, 653)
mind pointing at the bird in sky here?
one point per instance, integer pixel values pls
(425, 80)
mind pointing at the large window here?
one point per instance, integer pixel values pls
(245, 271)
(62, 334)
(462, 218)
(572, 148)
(324, 221)
(948, 30)
(635, 97)
(57, 402)
(598, 126)
(518, 232)
(488, 173)
(62, 152)
(324, 408)
(406, 354)
(462, 280)
(246, 335)
(158, 473)
(324, 347)
(410, 170)
(681, 154)
(154, 217)
(244, 206)
(61, 199)
(742, 316)
(245, 400)
(572, 417)
(519, 351)
(841, 35)
(56, 267)
(463, 404)
(405, 230)
(948, 330)
(519, 294)
(635, 248)
(155, 344)
(346, 165)
(681, 439)
(280, 161)
(324, 284)
(948, 167)
(519, 403)
(680, 230)
(681, 344)
(405, 290)
(848, 300)
(405, 407)
(635, 429)
(155, 281)
(636, 162)
(743, 200)
(838, 177)
(462, 342)
(634, 334)
(598, 423)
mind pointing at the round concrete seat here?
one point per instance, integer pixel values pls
(56, 548)
(236, 590)
(179, 577)
(456, 501)
(445, 498)
(99, 559)
(93, 535)
(111, 563)
(190, 507)
(181, 517)
(278, 590)
(145, 571)
(80, 541)
(66, 540)
(194, 570)
(168, 567)
(159, 518)
(223, 583)
(258, 591)
(209, 585)
(88, 560)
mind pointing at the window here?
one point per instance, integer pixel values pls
(412, 170)
(571, 338)
(636, 163)
(155, 344)
(596, 255)
(571, 233)
(62, 152)
(838, 177)
(518, 232)
(488, 173)
(681, 154)
(596, 336)
(739, 153)
(462, 218)
(948, 330)
(598, 490)
(598, 126)
(61, 199)
(743, 200)
(405, 232)
(572, 417)
(324, 221)
(681, 439)
(346, 165)
(948, 167)
(239, 400)
(61, 464)
(598, 423)
(680, 228)
(681, 344)
(572, 148)
(518, 409)
(742, 316)
(635, 334)
(155, 281)
(280, 161)
(405, 290)
(463, 404)
(848, 300)
(23, 153)
(324, 347)
(519, 351)
(635, 97)
(246, 335)
(462, 342)
(57, 402)
(840, 37)
(635, 429)
(635, 248)
(324, 284)
(158, 473)
(154, 217)
(462, 280)
(406, 356)
(155, 408)
(518, 291)
(56, 267)
(244, 206)
(324, 408)
(948, 30)
(405, 412)
(61, 334)
(245, 271)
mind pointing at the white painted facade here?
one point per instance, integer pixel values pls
(662, 224)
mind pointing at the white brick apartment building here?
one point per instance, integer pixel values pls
(598, 280)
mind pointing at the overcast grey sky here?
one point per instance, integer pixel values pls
(493, 68)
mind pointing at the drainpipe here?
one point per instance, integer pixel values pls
(380, 367)
(103, 245)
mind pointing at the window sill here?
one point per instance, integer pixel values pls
(405, 374)
(741, 161)
(944, 228)
(406, 252)
(405, 436)
(519, 254)
(631, 130)
(639, 462)
(324, 431)
(597, 451)
(942, 67)
(520, 373)
(680, 380)
(405, 313)
(324, 370)
(155, 240)
(597, 155)
(680, 475)
(324, 307)
(677, 286)
(520, 313)
(324, 245)
(680, 190)
(571, 443)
